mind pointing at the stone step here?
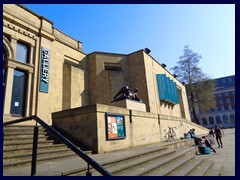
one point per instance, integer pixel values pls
(169, 167)
(18, 146)
(215, 170)
(18, 142)
(126, 163)
(119, 160)
(202, 168)
(22, 136)
(13, 149)
(20, 127)
(187, 167)
(29, 153)
(151, 168)
(26, 141)
(42, 158)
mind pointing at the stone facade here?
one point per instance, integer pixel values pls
(79, 87)
(67, 64)
(86, 126)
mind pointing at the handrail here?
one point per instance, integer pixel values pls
(68, 143)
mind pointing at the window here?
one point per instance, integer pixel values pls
(204, 120)
(223, 81)
(218, 120)
(228, 100)
(112, 66)
(229, 107)
(222, 108)
(221, 101)
(18, 93)
(233, 92)
(226, 94)
(211, 121)
(232, 117)
(225, 119)
(219, 95)
(22, 52)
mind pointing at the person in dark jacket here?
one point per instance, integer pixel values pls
(207, 143)
(211, 132)
(218, 134)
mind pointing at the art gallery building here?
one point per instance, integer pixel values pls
(46, 73)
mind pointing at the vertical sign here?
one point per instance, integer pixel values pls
(115, 126)
(44, 75)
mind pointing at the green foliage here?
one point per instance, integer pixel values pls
(199, 86)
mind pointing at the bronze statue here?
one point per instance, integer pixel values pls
(126, 93)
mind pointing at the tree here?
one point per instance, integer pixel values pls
(199, 86)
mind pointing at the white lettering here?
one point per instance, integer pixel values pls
(45, 66)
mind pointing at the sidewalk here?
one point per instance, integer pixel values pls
(224, 159)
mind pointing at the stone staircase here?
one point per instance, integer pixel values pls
(163, 161)
(18, 142)
(176, 158)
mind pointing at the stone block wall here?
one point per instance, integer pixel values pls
(88, 127)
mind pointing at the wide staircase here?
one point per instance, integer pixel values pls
(177, 158)
(18, 145)
(172, 159)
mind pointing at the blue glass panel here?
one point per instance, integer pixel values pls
(18, 93)
(22, 52)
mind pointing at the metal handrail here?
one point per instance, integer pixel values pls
(68, 143)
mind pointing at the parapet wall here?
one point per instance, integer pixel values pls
(87, 126)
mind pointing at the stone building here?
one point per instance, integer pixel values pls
(46, 72)
(223, 114)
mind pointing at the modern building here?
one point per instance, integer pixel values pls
(223, 114)
(47, 74)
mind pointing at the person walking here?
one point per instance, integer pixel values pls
(218, 134)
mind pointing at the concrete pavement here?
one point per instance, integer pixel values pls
(224, 159)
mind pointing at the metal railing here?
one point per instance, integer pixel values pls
(64, 140)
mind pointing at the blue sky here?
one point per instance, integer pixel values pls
(165, 29)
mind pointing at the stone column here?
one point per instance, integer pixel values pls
(8, 90)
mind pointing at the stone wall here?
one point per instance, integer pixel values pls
(88, 127)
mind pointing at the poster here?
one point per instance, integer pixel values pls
(115, 126)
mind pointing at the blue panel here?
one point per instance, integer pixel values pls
(176, 93)
(160, 82)
(44, 74)
(167, 89)
(172, 92)
(166, 83)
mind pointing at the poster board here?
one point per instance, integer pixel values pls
(115, 126)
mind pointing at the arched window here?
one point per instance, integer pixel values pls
(20, 72)
(211, 121)
(204, 120)
(225, 119)
(232, 118)
(218, 120)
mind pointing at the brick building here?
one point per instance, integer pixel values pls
(223, 114)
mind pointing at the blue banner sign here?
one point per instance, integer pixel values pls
(44, 75)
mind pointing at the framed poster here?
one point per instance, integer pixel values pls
(115, 126)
